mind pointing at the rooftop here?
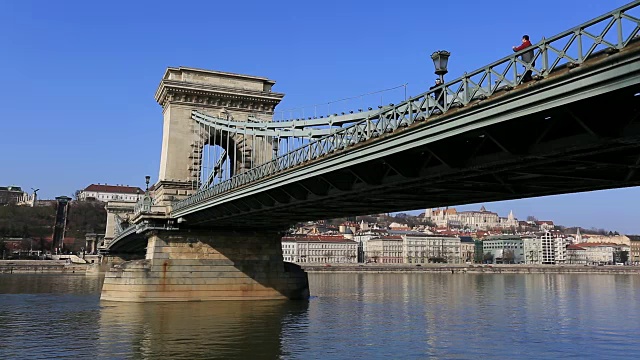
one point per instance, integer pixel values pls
(318, 238)
(116, 189)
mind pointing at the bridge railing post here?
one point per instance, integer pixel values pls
(465, 89)
(545, 57)
(618, 17)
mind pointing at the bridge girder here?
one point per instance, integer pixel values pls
(575, 147)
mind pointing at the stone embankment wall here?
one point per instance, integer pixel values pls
(40, 267)
(471, 269)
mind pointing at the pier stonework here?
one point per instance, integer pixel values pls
(202, 266)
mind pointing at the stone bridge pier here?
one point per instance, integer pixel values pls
(203, 265)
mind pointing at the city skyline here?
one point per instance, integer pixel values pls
(92, 71)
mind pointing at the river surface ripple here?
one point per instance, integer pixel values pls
(350, 316)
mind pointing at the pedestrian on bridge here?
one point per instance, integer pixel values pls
(527, 57)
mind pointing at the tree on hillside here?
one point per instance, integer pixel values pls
(532, 218)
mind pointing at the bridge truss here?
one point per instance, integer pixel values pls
(297, 142)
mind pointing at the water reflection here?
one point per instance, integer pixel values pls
(211, 330)
(479, 315)
(350, 316)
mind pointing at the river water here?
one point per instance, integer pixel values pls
(350, 316)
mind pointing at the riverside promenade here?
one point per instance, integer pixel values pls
(41, 267)
(470, 268)
(62, 267)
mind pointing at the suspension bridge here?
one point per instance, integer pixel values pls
(231, 177)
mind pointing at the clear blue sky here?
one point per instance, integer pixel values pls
(78, 77)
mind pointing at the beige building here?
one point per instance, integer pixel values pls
(634, 249)
(591, 253)
(362, 238)
(599, 239)
(422, 248)
(467, 249)
(328, 249)
(385, 250)
(481, 219)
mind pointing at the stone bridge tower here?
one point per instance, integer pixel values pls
(215, 93)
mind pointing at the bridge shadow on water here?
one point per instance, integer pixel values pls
(211, 330)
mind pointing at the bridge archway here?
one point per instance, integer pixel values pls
(220, 95)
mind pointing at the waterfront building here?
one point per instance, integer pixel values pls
(592, 253)
(473, 220)
(418, 248)
(467, 249)
(328, 249)
(560, 248)
(105, 193)
(634, 249)
(532, 249)
(363, 236)
(384, 250)
(504, 249)
(554, 247)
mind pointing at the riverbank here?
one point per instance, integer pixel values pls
(62, 267)
(41, 267)
(472, 269)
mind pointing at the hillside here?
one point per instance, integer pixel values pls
(37, 222)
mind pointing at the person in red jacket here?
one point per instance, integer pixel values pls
(527, 57)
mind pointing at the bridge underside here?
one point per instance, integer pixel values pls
(590, 144)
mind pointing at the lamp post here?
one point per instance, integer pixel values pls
(440, 61)
(146, 180)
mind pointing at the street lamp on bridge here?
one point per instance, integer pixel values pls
(440, 61)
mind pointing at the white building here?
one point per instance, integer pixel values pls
(592, 253)
(554, 248)
(328, 249)
(105, 193)
(473, 220)
(422, 248)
